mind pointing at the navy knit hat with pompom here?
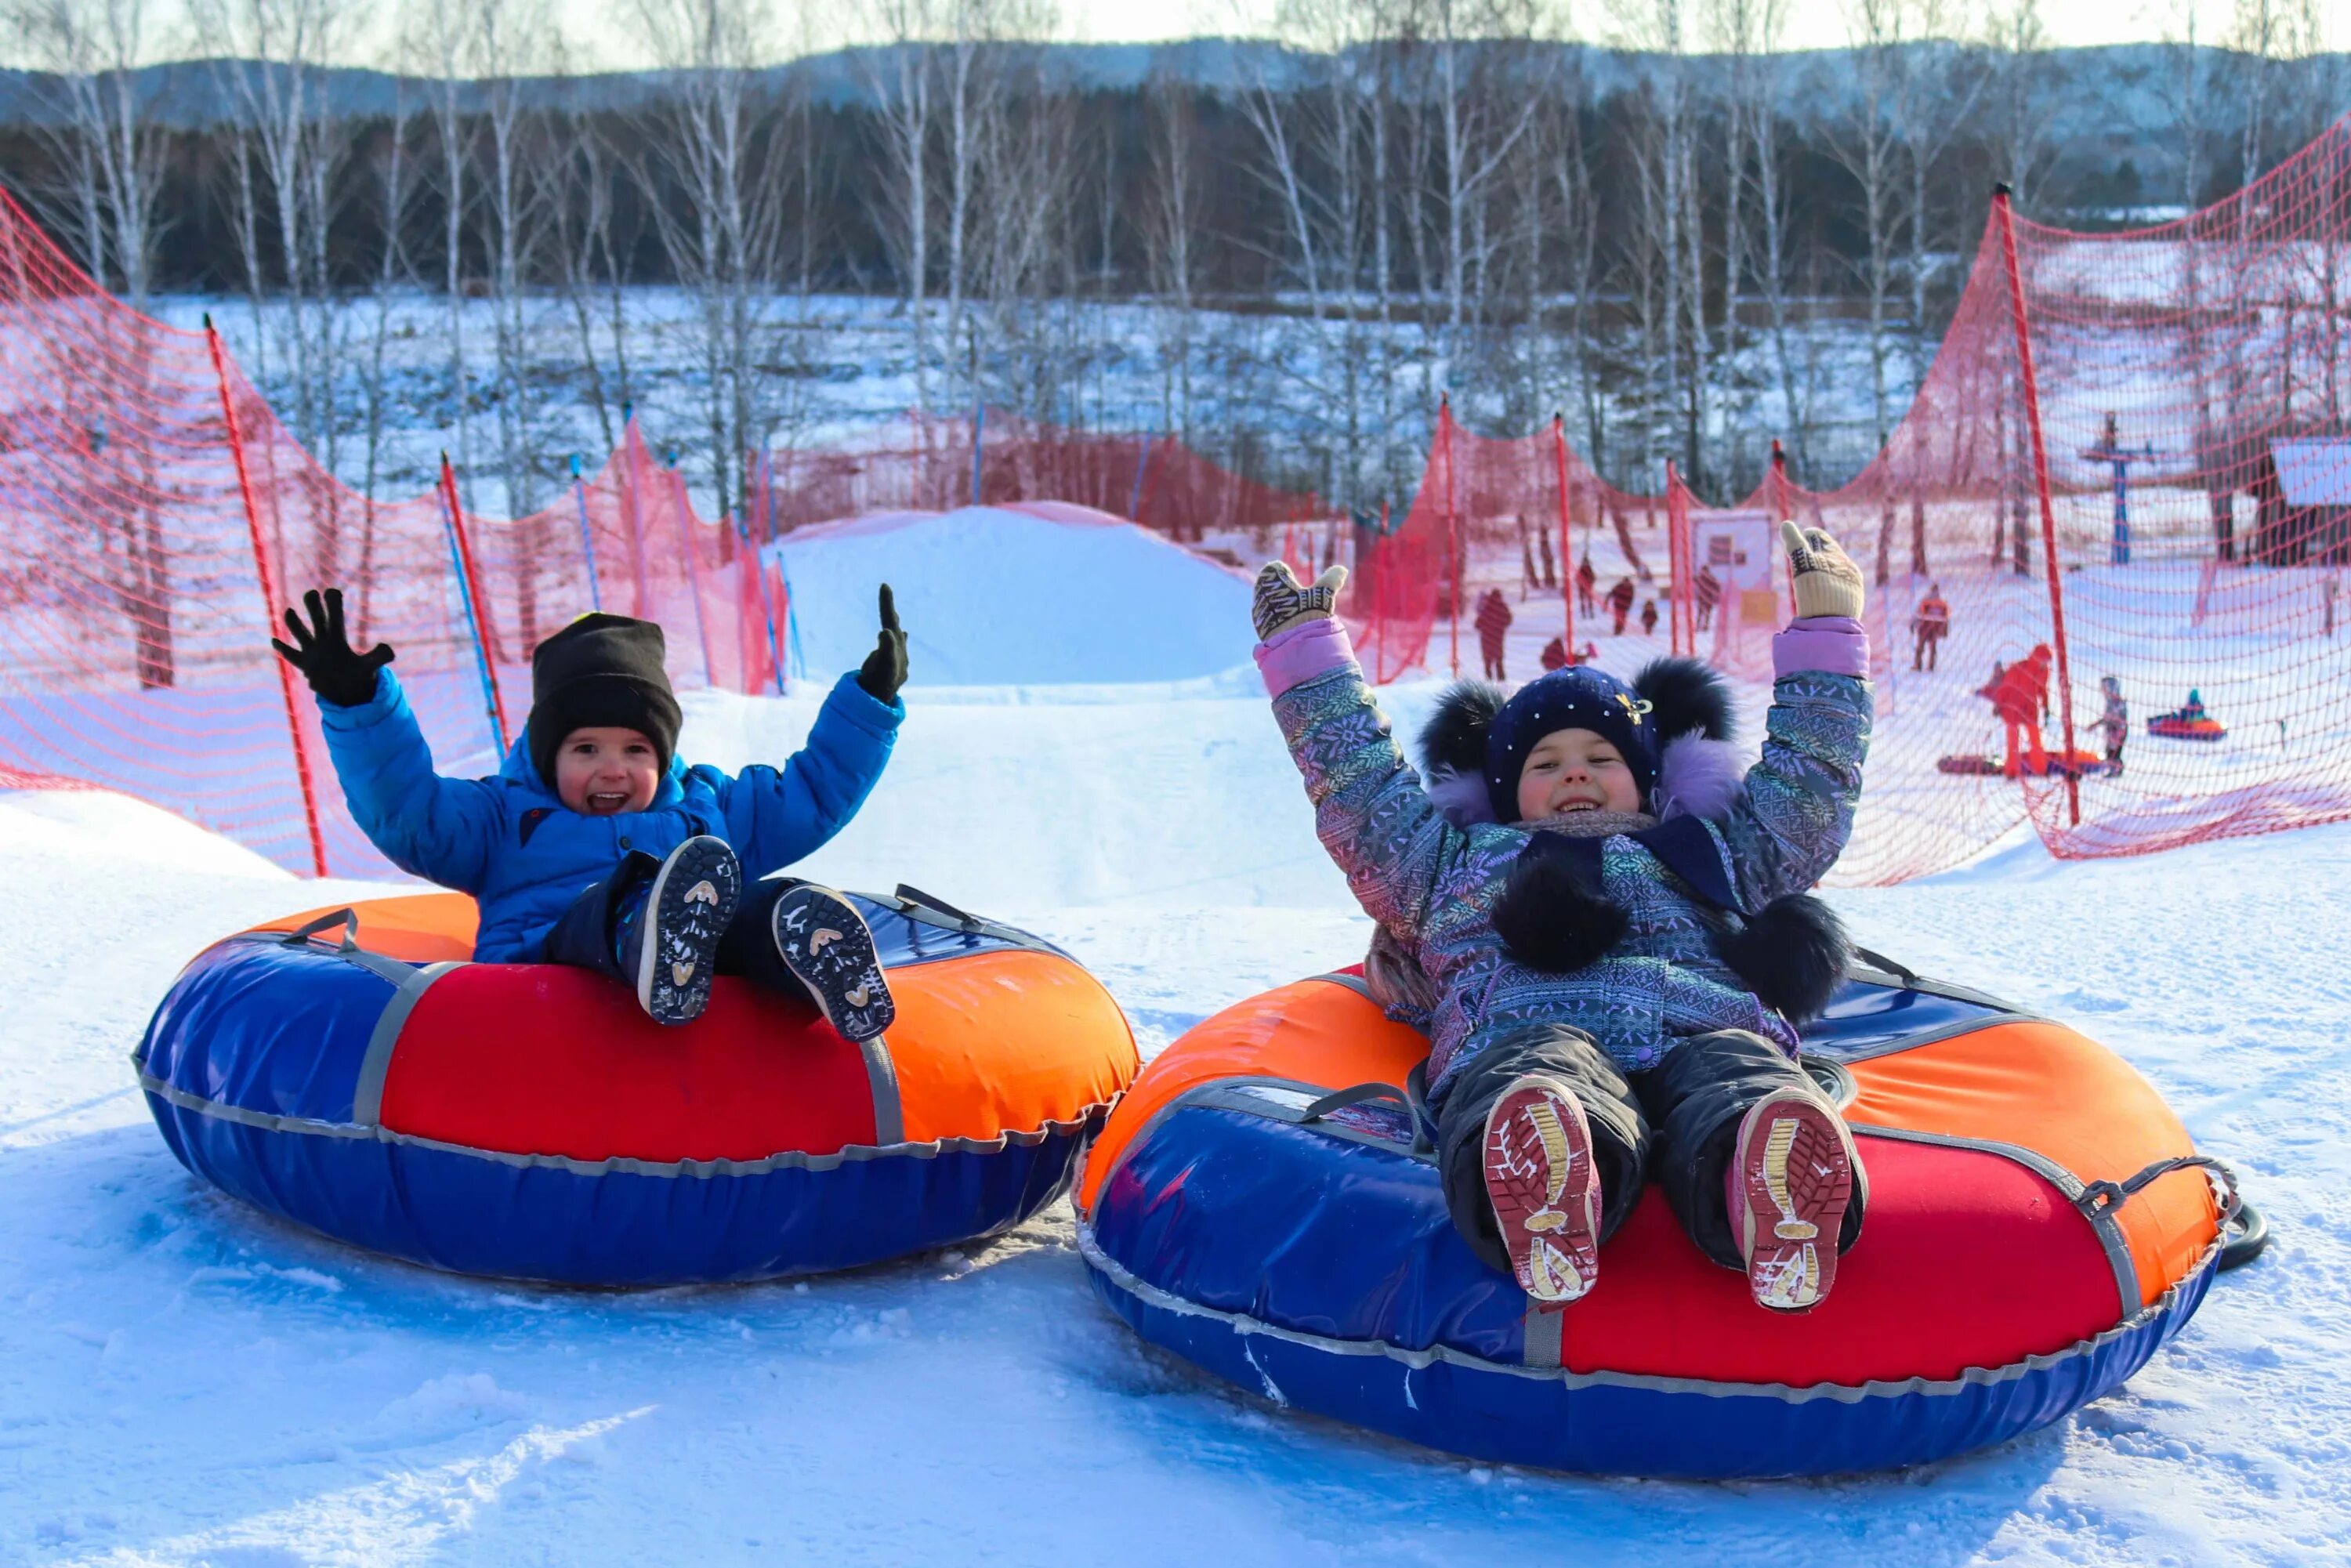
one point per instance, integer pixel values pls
(1578, 698)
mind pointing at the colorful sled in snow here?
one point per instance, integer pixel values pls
(2039, 1224)
(354, 1072)
(2185, 726)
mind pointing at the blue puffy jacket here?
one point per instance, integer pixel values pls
(524, 856)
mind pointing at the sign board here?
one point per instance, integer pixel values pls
(1735, 546)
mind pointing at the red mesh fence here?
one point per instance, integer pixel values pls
(941, 463)
(2107, 545)
(157, 512)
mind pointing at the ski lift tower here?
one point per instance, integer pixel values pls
(2111, 451)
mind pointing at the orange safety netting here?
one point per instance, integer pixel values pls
(157, 515)
(939, 463)
(2107, 543)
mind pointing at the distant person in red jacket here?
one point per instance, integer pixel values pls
(1707, 590)
(1493, 619)
(1584, 580)
(2020, 698)
(1555, 654)
(1620, 602)
(1648, 618)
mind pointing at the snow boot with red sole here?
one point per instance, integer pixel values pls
(1790, 1181)
(1544, 1188)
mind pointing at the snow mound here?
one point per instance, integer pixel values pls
(1007, 596)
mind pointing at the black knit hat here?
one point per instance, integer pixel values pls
(601, 670)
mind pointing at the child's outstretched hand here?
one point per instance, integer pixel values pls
(1282, 602)
(1827, 581)
(323, 653)
(884, 670)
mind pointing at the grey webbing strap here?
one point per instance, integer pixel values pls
(1885, 965)
(2104, 1197)
(1545, 1332)
(349, 948)
(1360, 1094)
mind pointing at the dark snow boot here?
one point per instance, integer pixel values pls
(826, 945)
(668, 949)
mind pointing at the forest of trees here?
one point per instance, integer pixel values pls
(1685, 239)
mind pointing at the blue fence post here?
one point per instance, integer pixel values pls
(1141, 467)
(979, 446)
(587, 538)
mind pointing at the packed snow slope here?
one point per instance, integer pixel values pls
(184, 1382)
(1002, 595)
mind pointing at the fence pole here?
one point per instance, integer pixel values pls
(632, 501)
(978, 447)
(1141, 467)
(1452, 527)
(270, 604)
(1674, 510)
(2006, 217)
(469, 590)
(587, 538)
(1566, 551)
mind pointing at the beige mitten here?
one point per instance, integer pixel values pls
(1282, 602)
(1827, 582)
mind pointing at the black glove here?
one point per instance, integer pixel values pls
(324, 655)
(884, 670)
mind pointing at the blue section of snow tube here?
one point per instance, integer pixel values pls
(1415, 1338)
(478, 1214)
(252, 1067)
(217, 1034)
(1625, 1426)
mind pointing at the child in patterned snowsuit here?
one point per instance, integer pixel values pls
(1614, 942)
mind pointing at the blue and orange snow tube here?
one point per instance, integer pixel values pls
(353, 1072)
(2029, 1244)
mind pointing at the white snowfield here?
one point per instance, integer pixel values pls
(999, 596)
(185, 1382)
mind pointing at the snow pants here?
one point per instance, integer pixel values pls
(1678, 1122)
(586, 936)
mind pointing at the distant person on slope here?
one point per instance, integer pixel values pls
(2020, 695)
(1600, 923)
(1928, 627)
(1493, 623)
(2114, 723)
(596, 845)
(1620, 602)
(1648, 618)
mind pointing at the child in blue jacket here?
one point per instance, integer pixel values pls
(595, 845)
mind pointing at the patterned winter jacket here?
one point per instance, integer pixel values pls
(1434, 885)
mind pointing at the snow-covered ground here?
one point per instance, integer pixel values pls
(182, 1381)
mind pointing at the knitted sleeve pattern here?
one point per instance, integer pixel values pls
(1370, 811)
(1791, 819)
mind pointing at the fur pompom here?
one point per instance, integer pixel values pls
(1461, 796)
(1551, 914)
(1793, 955)
(1696, 777)
(1685, 695)
(1454, 739)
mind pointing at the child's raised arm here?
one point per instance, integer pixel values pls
(1792, 818)
(1370, 811)
(779, 815)
(439, 829)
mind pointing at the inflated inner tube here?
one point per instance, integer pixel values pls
(2039, 1223)
(354, 1071)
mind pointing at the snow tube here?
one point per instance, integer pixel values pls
(2180, 727)
(529, 1122)
(2039, 1224)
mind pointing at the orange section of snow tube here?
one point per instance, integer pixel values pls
(984, 1044)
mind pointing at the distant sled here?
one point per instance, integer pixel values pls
(529, 1122)
(1976, 765)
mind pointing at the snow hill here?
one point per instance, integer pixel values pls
(1013, 595)
(184, 1382)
